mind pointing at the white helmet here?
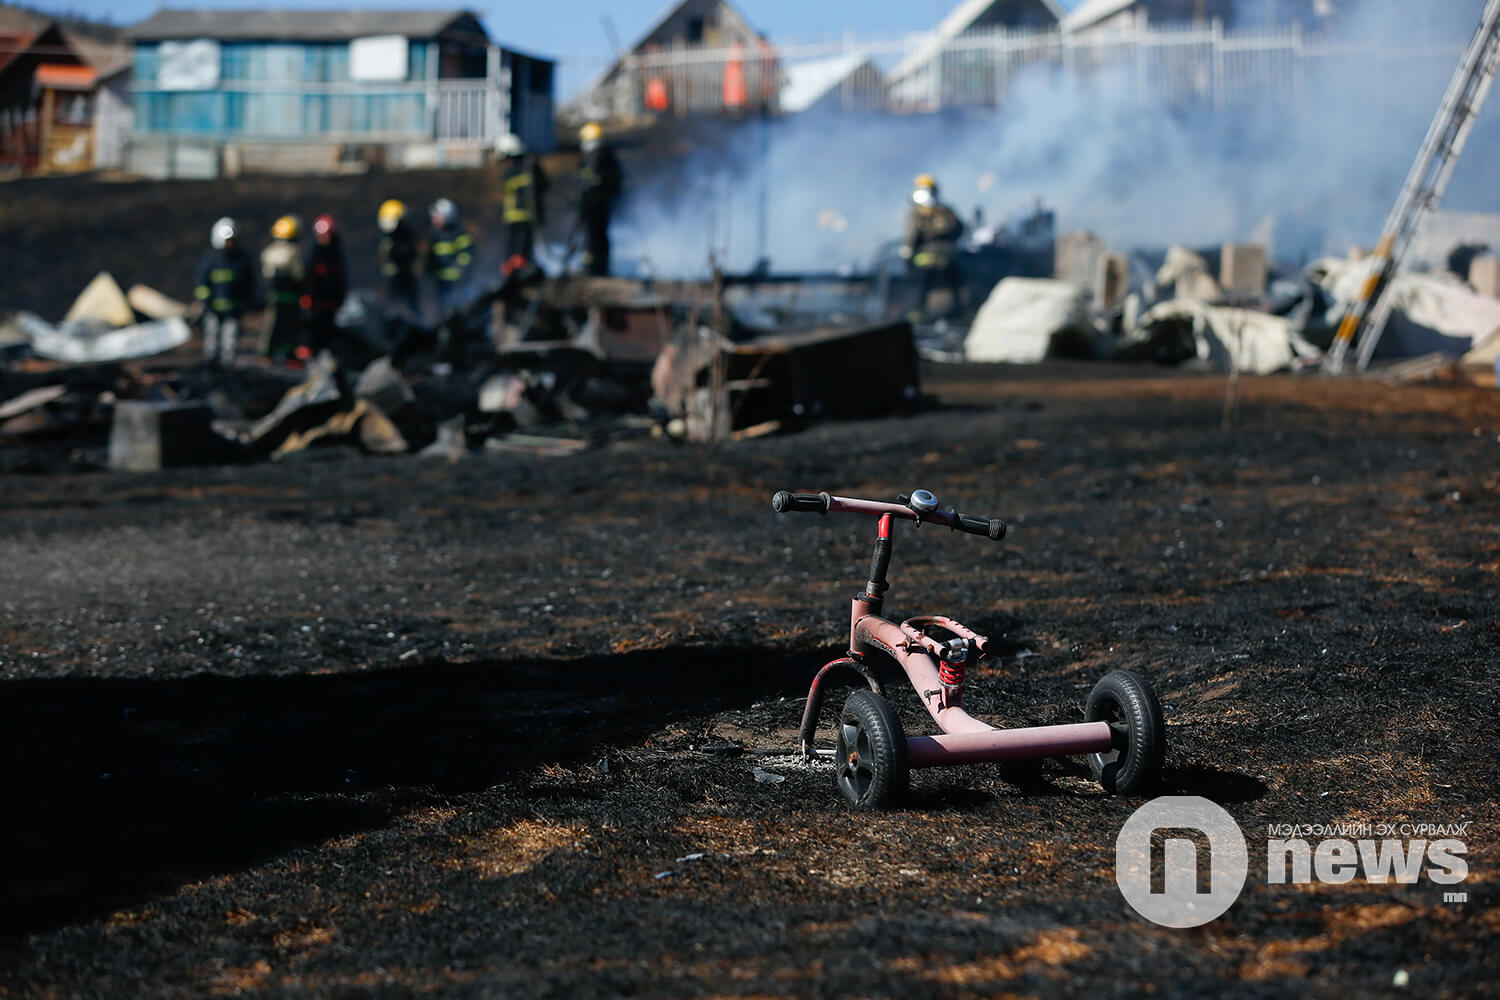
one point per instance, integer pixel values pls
(222, 233)
(444, 211)
(510, 144)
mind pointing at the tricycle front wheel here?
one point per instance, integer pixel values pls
(870, 760)
(1134, 759)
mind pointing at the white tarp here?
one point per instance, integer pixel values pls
(78, 344)
(1188, 271)
(1230, 339)
(188, 65)
(153, 304)
(378, 58)
(1024, 317)
(1429, 313)
(101, 301)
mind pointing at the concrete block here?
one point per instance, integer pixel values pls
(1242, 269)
(1111, 279)
(146, 436)
(1484, 275)
(1075, 257)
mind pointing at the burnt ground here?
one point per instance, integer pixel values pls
(488, 728)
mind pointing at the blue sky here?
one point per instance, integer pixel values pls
(564, 28)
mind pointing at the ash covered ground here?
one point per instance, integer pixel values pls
(491, 728)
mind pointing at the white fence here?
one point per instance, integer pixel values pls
(463, 110)
(1187, 65)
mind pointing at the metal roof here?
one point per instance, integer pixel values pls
(955, 24)
(1091, 12)
(246, 24)
(730, 12)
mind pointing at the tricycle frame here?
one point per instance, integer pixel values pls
(936, 669)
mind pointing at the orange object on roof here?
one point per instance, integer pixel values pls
(656, 94)
(734, 78)
(60, 77)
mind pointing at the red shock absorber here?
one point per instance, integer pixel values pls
(953, 663)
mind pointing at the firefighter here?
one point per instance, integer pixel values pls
(226, 288)
(281, 267)
(449, 254)
(398, 255)
(325, 284)
(932, 232)
(599, 173)
(524, 190)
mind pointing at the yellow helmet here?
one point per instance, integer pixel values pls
(391, 212)
(926, 181)
(590, 132)
(288, 227)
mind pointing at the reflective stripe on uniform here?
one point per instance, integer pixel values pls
(224, 305)
(450, 274)
(443, 248)
(464, 260)
(515, 211)
(221, 275)
(201, 292)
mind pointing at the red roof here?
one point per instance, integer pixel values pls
(59, 77)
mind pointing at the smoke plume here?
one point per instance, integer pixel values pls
(828, 189)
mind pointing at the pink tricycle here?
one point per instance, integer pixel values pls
(1124, 736)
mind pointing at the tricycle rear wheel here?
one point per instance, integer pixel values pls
(870, 763)
(1133, 762)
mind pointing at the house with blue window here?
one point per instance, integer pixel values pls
(218, 91)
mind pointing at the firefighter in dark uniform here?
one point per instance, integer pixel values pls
(450, 253)
(932, 232)
(325, 285)
(599, 173)
(398, 255)
(225, 286)
(523, 192)
(281, 267)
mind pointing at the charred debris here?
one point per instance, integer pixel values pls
(558, 366)
(543, 367)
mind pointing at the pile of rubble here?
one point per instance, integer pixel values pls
(1230, 309)
(554, 367)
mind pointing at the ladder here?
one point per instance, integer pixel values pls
(1365, 314)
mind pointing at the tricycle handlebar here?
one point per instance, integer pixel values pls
(811, 503)
(822, 503)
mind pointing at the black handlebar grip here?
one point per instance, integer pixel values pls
(991, 527)
(810, 503)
